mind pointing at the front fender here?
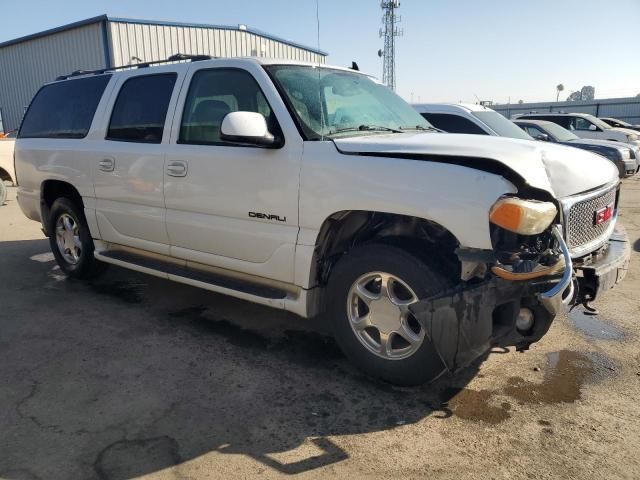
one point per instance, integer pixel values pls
(454, 196)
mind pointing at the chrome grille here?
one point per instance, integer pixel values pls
(581, 227)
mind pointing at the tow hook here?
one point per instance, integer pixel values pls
(584, 302)
(588, 309)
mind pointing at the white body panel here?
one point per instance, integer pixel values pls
(332, 182)
(572, 170)
(130, 206)
(208, 209)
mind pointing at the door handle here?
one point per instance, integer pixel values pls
(107, 165)
(177, 168)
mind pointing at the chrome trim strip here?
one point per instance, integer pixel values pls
(553, 299)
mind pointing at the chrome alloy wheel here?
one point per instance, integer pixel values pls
(68, 239)
(378, 312)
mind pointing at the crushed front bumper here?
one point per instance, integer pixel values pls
(464, 323)
(603, 270)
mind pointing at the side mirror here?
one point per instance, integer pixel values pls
(543, 137)
(247, 127)
(593, 128)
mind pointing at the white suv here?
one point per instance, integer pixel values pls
(319, 191)
(586, 126)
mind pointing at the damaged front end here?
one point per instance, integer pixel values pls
(508, 297)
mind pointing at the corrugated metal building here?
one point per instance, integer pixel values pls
(103, 42)
(626, 109)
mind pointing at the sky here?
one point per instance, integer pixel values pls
(451, 50)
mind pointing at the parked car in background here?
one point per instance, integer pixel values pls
(319, 191)
(480, 120)
(586, 126)
(614, 122)
(624, 156)
(7, 172)
(469, 118)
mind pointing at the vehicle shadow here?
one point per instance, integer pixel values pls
(129, 374)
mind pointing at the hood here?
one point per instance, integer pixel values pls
(558, 169)
(626, 131)
(602, 143)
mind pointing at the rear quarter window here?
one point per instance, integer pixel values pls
(64, 109)
(140, 111)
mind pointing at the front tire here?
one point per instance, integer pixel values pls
(71, 241)
(368, 294)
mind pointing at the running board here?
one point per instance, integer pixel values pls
(207, 280)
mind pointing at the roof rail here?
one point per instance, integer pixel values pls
(178, 57)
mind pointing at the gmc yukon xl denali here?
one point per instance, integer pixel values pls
(319, 191)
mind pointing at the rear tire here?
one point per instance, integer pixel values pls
(400, 352)
(3, 193)
(71, 241)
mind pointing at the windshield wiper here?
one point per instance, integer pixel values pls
(422, 127)
(366, 128)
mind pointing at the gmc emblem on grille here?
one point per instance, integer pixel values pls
(603, 214)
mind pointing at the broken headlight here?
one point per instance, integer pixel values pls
(525, 217)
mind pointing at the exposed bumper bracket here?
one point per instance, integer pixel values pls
(555, 300)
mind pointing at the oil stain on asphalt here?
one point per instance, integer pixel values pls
(566, 373)
(475, 405)
(592, 326)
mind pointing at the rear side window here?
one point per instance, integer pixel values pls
(140, 111)
(563, 121)
(453, 123)
(64, 109)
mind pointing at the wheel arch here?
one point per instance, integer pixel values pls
(6, 176)
(347, 229)
(50, 191)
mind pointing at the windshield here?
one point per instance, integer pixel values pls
(335, 103)
(616, 123)
(596, 121)
(500, 125)
(560, 133)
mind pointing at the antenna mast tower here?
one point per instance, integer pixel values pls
(389, 31)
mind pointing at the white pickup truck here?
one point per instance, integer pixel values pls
(319, 191)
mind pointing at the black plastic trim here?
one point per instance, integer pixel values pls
(488, 165)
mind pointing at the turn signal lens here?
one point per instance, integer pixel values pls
(526, 217)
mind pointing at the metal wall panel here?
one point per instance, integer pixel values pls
(26, 66)
(100, 42)
(626, 109)
(150, 42)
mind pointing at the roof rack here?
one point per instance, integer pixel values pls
(178, 57)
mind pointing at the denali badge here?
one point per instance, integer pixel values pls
(603, 214)
(267, 216)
